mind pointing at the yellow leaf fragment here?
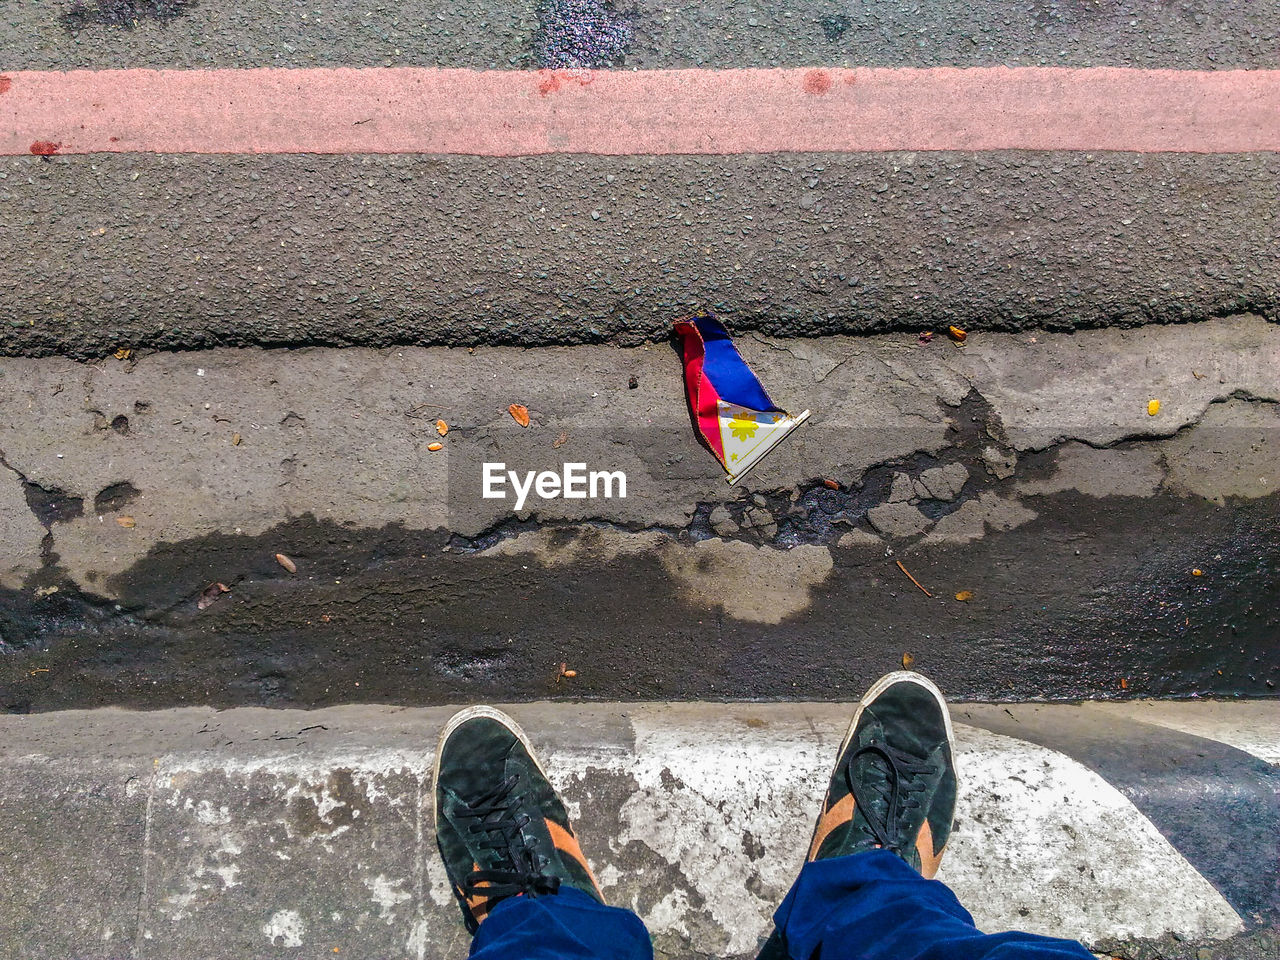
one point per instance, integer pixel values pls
(442, 428)
(964, 596)
(519, 413)
(1153, 407)
(127, 522)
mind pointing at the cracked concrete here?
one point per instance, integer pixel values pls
(974, 519)
(1131, 471)
(240, 440)
(162, 474)
(1237, 432)
(20, 532)
(1043, 397)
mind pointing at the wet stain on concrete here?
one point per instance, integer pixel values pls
(51, 505)
(115, 497)
(1089, 593)
(126, 14)
(581, 33)
(33, 620)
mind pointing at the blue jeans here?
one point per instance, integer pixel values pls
(869, 906)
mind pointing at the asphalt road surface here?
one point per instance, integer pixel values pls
(641, 35)
(186, 251)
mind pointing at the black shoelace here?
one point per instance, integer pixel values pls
(905, 776)
(517, 867)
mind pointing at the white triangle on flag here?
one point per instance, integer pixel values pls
(747, 435)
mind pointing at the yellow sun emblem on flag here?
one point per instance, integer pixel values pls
(743, 428)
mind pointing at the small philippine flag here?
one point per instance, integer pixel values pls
(735, 416)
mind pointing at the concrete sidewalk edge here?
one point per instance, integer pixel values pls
(252, 832)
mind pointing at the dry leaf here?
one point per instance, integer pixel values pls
(1153, 407)
(907, 661)
(956, 334)
(127, 522)
(442, 428)
(561, 440)
(831, 484)
(286, 563)
(211, 593)
(122, 354)
(964, 596)
(235, 439)
(433, 447)
(520, 414)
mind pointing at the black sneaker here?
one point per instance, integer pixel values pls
(501, 829)
(894, 784)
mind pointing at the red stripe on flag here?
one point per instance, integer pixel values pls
(703, 399)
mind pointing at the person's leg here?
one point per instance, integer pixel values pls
(866, 891)
(525, 889)
(568, 926)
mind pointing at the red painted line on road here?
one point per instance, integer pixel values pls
(515, 113)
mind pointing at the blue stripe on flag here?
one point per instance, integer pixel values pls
(726, 369)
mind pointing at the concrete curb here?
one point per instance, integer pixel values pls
(1024, 472)
(195, 833)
